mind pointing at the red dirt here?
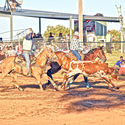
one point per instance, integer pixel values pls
(77, 106)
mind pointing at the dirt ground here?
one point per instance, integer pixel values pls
(77, 106)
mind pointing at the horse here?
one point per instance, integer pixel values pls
(64, 60)
(87, 68)
(2, 56)
(9, 65)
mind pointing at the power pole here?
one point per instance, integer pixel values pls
(80, 20)
(119, 10)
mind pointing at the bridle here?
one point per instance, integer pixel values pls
(49, 58)
(96, 55)
(102, 56)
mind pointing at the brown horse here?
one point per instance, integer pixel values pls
(87, 68)
(64, 60)
(37, 69)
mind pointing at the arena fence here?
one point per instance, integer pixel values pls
(64, 44)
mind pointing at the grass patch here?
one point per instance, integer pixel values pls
(114, 57)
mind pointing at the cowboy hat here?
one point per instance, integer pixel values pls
(76, 33)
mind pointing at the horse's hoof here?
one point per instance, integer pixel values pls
(42, 90)
(67, 88)
(117, 87)
(56, 88)
(20, 89)
(60, 88)
(113, 89)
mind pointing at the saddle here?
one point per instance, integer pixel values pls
(73, 57)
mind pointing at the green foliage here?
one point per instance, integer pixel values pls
(56, 30)
(116, 35)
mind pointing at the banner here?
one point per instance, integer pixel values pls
(96, 27)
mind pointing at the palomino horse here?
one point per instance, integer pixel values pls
(87, 68)
(64, 60)
(37, 69)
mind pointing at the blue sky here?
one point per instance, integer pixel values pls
(90, 7)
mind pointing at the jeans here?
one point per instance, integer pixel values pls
(76, 53)
(55, 67)
(27, 58)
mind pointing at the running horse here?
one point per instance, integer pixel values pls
(2, 56)
(64, 60)
(10, 65)
(87, 68)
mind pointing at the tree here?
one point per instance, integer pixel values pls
(56, 30)
(116, 35)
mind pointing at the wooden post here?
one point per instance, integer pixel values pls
(122, 22)
(119, 9)
(70, 27)
(80, 20)
(11, 28)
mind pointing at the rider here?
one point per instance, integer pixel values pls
(27, 46)
(75, 46)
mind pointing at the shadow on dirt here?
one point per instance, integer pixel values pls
(45, 86)
(97, 97)
(75, 85)
(92, 99)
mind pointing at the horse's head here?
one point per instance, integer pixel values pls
(49, 53)
(100, 53)
(45, 54)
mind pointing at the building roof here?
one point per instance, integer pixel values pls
(55, 15)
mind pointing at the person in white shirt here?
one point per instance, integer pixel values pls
(27, 46)
(75, 45)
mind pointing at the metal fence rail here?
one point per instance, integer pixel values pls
(64, 44)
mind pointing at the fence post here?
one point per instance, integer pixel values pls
(11, 27)
(70, 28)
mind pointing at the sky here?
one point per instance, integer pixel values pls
(90, 7)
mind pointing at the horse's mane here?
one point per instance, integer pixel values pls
(42, 49)
(91, 51)
(62, 53)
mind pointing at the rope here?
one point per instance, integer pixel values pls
(9, 31)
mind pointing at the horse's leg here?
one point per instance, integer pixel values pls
(53, 83)
(37, 72)
(39, 82)
(67, 85)
(14, 80)
(64, 81)
(108, 82)
(38, 78)
(72, 80)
